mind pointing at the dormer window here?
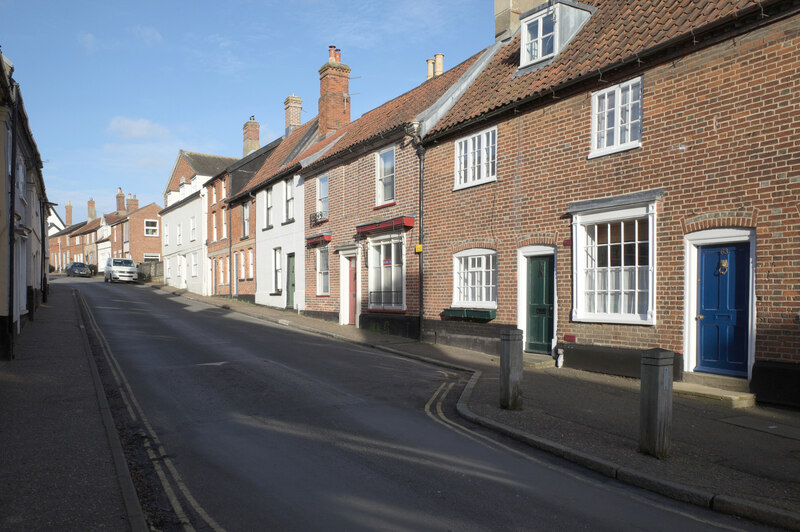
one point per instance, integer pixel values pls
(548, 29)
(538, 38)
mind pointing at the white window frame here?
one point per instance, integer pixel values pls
(288, 195)
(153, 230)
(194, 264)
(277, 271)
(380, 198)
(214, 227)
(323, 202)
(169, 268)
(250, 263)
(600, 116)
(376, 271)
(323, 273)
(241, 265)
(222, 189)
(166, 234)
(214, 194)
(580, 221)
(192, 229)
(538, 19)
(268, 210)
(151, 256)
(178, 234)
(463, 271)
(224, 224)
(475, 159)
(245, 219)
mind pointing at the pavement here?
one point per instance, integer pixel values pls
(735, 459)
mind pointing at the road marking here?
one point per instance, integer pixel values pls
(133, 405)
(438, 398)
(213, 363)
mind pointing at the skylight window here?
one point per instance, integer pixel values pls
(548, 29)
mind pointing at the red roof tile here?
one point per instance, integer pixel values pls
(619, 30)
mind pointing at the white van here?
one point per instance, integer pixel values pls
(120, 270)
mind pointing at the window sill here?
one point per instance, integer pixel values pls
(618, 320)
(278, 293)
(384, 205)
(387, 310)
(475, 184)
(289, 221)
(470, 313)
(267, 228)
(323, 295)
(615, 149)
(245, 237)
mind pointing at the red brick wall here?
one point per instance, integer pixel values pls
(183, 170)
(241, 246)
(139, 243)
(218, 250)
(721, 130)
(352, 202)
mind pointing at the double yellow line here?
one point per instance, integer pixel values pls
(155, 451)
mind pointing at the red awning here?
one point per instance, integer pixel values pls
(401, 222)
(317, 239)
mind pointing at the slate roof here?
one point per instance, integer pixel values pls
(204, 164)
(69, 230)
(89, 227)
(619, 31)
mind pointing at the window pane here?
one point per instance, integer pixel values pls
(643, 302)
(629, 279)
(629, 303)
(615, 300)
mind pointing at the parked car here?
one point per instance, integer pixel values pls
(120, 270)
(79, 269)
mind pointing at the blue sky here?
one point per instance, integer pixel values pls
(114, 89)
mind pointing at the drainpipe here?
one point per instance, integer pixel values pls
(412, 130)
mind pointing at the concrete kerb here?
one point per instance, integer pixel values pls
(130, 498)
(718, 502)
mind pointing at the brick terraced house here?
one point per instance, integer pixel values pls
(624, 176)
(231, 254)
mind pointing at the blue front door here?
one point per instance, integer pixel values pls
(722, 314)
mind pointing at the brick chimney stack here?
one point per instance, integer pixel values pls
(251, 136)
(133, 203)
(334, 93)
(68, 209)
(120, 201)
(92, 214)
(294, 107)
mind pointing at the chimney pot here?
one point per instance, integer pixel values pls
(430, 69)
(334, 94)
(438, 64)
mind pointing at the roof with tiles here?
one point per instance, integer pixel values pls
(619, 31)
(89, 227)
(280, 158)
(69, 230)
(397, 112)
(207, 165)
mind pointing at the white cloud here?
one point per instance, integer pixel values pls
(147, 35)
(136, 128)
(88, 41)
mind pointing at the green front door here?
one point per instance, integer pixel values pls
(539, 335)
(290, 280)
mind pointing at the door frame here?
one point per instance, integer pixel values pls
(294, 275)
(345, 254)
(692, 243)
(523, 254)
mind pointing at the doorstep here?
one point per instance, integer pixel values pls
(722, 397)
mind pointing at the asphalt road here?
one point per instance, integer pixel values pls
(258, 427)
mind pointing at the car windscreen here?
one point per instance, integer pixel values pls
(123, 262)
(78, 265)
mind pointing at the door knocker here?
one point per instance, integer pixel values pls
(723, 263)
